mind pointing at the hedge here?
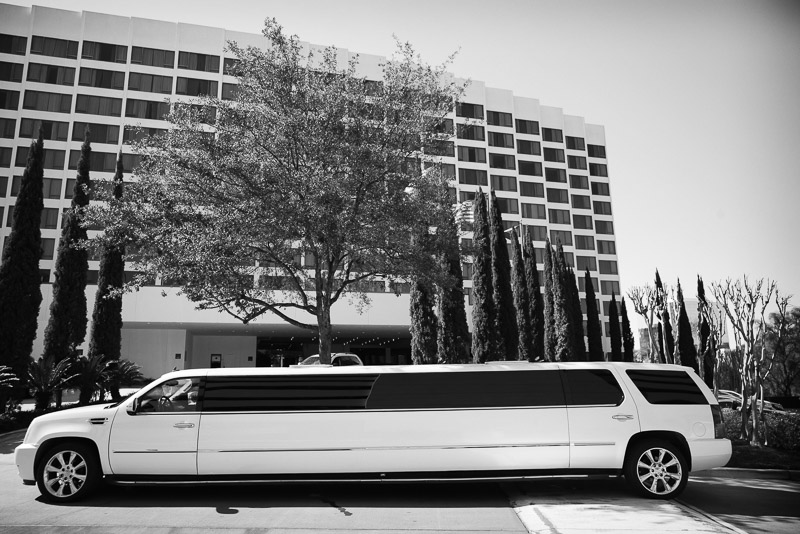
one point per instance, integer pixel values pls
(783, 428)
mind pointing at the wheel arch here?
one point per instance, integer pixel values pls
(52, 442)
(675, 438)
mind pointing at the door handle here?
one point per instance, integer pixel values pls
(183, 425)
(622, 417)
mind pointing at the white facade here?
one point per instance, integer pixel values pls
(44, 80)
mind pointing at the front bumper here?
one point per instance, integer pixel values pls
(24, 457)
(710, 453)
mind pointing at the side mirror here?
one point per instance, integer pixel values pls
(134, 407)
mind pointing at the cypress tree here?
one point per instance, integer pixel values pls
(506, 318)
(423, 324)
(20, 291)
(66, 328)
(484, 333)
(562, 314)
(707, 352)
(452, 339)
(521, 302)
(685, 351)
(535, 299)
(627, 334)
(106, 332)
(594, 331)
(577, 316)
(614, 331)
(549, 305)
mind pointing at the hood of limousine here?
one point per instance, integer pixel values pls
(82, 418)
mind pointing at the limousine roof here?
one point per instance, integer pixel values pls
(438, 368)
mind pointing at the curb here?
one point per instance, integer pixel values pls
(709, 517)
(740, 472)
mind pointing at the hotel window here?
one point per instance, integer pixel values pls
(606, 247)
(51, 188)
(498, 118)
(560, 217)
(100, 133)
(502, 161)
(598, 169)
(584, 263)
(597, 151)
(130, 162)
(554, 154)
(196, 87)
(98, 161)
(531, 189)
(600, 188)
(448, 170)
(53, 74)
(48, 248)
(604, 227)
(466, 196)
(5, 156)
(582, 284)
(49, 218)
(8, 128)
(552, 135)
(230, 64)
(576, 162)
(602, 208)
(527, 127)
(201, 62)
(438, 147)
(16, 185)
(98, 105)
(466, 271)
(475, 155)
(609, 287)
(70, 189)
(578, 182)
(113, 53)
(530, 168)
(508, 205)
(53, 159)
(146, 109)
(575, 143)
(534, 211)
(471, 132)
(11, 72)
(133, 133)
(501, 140)
(472, 177)
(584, 242)
(444, 127)
(152, 57)
(537, 233)
(229, 91)
(9, 99)
(104, 79)
(51, 130)
(557, 195)
(13, 44)
(555, 175)
(47, 46)
(3, 189)
(582, 222)
(504, 183)
(150, 83)
(608, 267)
(529, 147)
(470, 111)
(42, 101)
(582, 202)
(561, 236)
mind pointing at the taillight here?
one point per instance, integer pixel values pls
(719, 424)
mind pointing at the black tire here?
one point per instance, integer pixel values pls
(656, 469)
(67, 472)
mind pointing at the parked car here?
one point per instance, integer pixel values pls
(508, 420)
(733, 399)
(338, 359)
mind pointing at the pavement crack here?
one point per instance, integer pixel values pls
(332, 503)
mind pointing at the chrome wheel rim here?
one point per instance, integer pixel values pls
(65, 474)
(659, 471)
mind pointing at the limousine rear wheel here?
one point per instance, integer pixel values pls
(656, 469)
(67, 472)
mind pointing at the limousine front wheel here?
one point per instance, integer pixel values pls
(657, 470)
(67, 472)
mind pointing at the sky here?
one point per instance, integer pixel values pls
(700, 100)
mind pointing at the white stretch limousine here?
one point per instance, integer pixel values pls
(652, 423)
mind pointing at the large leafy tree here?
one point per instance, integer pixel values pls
(310, 160)
(594, 331)
(484, 332)
(453, 341)
(535, 298)
(20, 294)
(521, 302)
(106, 332)
(506, 320)
(66, 327)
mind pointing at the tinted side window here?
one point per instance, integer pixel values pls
(592, 387)
(286, 393)
(667, 387)
(483, 389)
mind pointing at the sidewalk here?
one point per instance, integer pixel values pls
(739, 472)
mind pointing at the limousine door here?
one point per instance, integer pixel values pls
(160, 438)
(602, 418)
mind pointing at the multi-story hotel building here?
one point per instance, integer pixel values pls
(61, 70)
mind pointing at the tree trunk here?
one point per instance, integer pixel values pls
(324, 325)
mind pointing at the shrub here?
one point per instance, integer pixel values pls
(783, 428)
